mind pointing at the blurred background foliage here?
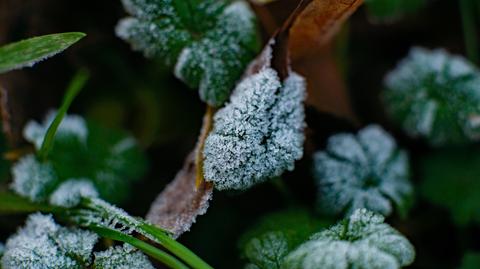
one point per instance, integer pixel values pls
(126, 90)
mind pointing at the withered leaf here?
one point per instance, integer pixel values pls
(187, 196)
(317, 23)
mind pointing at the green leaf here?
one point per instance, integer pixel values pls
(435, 95)
(362, 240)
(208, 42)
(451, 179)
(471, 260)
(275, 235)
(390, 10)
(74, 88)
(28, 52)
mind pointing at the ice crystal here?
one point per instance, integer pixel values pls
(363, 171)
(435, 95)
(208, 42)
(42, 244)
(109, 158)
(259, 134)
(70, 192)
(33, 179)
(361, 241)
(71, 125)
(121, 257)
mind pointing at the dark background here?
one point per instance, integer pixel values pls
(126, 90)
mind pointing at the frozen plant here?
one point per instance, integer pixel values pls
(208, 48)
(110, 160)
(33, 179)
(43, 244)
(259, 133)
(435, 95)
(70, 192)
(362, 171)
(121, 257)
(361, 241)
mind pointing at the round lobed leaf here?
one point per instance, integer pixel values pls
(363, 171)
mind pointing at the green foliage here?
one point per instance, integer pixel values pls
(451, 178)
(28, 52)
(110, 159)
(208, 42)
(361, 241)
(471, 260)
(275, 235)
(435, 95)
(363, 171)
(390, 10)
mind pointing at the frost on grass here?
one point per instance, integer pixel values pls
(362, 171)
(71, 125)
(275, 235)
(361, 241)
(258, 134)
(70, 192)
(121, 257)
(208, 42)
(435, 95)
(42, 244)
(110, 159)
(33, 179)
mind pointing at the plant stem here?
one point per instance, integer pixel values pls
(467, 9)
(176, 248)
(74, 88)
(150, 250)
(11, 203)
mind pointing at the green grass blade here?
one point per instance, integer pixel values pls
(30, 51)
(148, 249)
(11, 203)
(74, 88)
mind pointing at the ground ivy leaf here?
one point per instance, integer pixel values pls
(266, 244)
(362, 171)
(362, 240)
(435, 95)
(208, 42)
(450, 178)
(28, 52)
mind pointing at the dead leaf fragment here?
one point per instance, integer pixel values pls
(319, 21)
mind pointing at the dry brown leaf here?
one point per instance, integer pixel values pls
(318, 22)
(187, 196)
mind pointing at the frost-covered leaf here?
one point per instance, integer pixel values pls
(435, 95)
(110, 158)
(33, 179)
(259, 133)
(121, 257)
(70, 192)
(390, 10)
(362, 171)
(451, 178)
(27, 52)
(275, 235)
(208, 42)
(361, 241)
(42, 244)
(471, 260)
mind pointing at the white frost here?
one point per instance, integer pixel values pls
(259, 134)
(70, 192)
(122, 257)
